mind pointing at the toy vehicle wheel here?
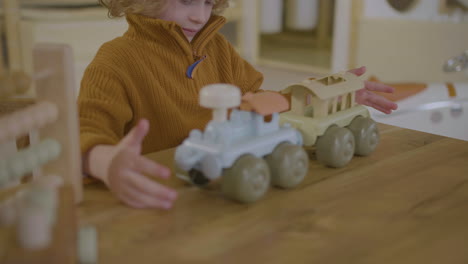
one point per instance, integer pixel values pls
(366, 135)
(336, 147)
(193, 176)
(289, 165)
(247, 180)
(197, 178)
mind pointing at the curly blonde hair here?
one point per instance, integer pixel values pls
(118, 8)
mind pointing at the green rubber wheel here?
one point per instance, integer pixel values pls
(366, 135)
(289, 165)
(247, 180)
(336, 147)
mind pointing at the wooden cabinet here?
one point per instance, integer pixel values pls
(395, 46)
(412, 45)
(84, 29)
(306, 50)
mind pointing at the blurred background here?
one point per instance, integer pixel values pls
(403, 43)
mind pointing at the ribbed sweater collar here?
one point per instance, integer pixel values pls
(170, 34)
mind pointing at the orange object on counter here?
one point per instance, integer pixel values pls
(451, 90)
(402, 90)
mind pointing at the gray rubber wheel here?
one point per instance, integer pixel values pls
(289, 165)
(192, 176)
(336, 147)
(247, 180)
(198, 178)
(366, 135)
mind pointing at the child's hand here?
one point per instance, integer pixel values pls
(125, 174)
(365, 96)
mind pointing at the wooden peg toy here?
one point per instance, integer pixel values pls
(31, 118)
(22, 81)
(29, 159)
(11, 17)
(40, 215)
(7, 86)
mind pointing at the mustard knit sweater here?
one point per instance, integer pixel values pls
(146, 74)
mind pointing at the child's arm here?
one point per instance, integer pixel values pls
(122, 168)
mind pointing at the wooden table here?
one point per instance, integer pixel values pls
(406, 203)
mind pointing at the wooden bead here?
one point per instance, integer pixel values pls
(7, 86)
(4, 174)
(29, 159)
(48, 150)
(46, 113)
(38, 213)
(15, 83)
(7, 212)
(17, 167)
(87, 245)
(50, 181)
(21, 122)
(42, 197)
(33, 229)
(22, 82)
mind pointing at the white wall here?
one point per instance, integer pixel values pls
(378, 11)
(413, 45)
(425, 10)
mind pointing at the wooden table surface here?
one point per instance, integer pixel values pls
(406, 203)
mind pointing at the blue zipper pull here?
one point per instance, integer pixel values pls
(192, 68)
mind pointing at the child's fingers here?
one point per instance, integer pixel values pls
(132, 201)
(379, 87)
(138, 199)
(155, 201)
(383, 102)
(358, 71)
(378, 107)
(135, 137)
(151, 168)
(128, 196)
(149, 187)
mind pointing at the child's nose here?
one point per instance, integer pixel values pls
(199, 15)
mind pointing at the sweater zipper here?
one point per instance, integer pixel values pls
(199, 58)
(197, 46)
(192, 68)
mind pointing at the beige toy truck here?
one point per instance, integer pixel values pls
(326, 113)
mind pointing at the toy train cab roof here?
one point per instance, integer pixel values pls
(265, 103)
(326, 95)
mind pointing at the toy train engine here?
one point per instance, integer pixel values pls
(245, 152)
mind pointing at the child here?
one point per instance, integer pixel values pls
(152, 75)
